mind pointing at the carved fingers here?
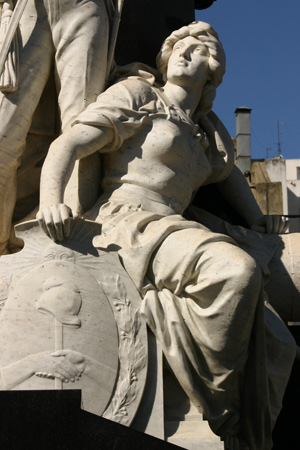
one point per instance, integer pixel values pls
(55, 221)
(55, 366)
(271, 224)
(77, 359)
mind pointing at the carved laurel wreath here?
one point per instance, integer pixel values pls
(132, 352)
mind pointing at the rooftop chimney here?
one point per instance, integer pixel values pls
(243, 138)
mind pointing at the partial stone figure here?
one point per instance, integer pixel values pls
(65, 36)
(203, 282)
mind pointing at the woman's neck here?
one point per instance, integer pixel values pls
(183, 97)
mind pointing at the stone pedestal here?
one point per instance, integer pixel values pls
(184, 425)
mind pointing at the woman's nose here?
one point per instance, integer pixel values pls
(184, 52)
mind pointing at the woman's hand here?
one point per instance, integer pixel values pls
(271, 224)
(55, 221)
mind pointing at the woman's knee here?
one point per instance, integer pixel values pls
(247, 271)
(235, 266)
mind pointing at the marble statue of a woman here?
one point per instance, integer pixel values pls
(203, 282)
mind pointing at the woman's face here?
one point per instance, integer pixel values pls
(188, 62)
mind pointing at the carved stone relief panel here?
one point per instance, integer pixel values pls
(70, 320)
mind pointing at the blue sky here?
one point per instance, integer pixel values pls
(261, 39)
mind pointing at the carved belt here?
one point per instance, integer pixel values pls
(146, 199)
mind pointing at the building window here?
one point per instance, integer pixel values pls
(298, 173)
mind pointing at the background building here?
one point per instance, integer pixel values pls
(275, 182)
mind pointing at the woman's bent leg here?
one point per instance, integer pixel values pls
(203, 315)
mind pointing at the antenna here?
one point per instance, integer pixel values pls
(278, 137)
(267, 149)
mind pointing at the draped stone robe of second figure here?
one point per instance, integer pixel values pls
(69, 37)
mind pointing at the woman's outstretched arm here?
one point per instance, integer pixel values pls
(80, 141)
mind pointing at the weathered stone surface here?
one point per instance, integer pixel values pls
(77, 303)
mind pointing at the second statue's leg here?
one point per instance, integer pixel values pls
(17, 108)
(80, 37)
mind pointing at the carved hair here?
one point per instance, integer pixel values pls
(216, 62)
